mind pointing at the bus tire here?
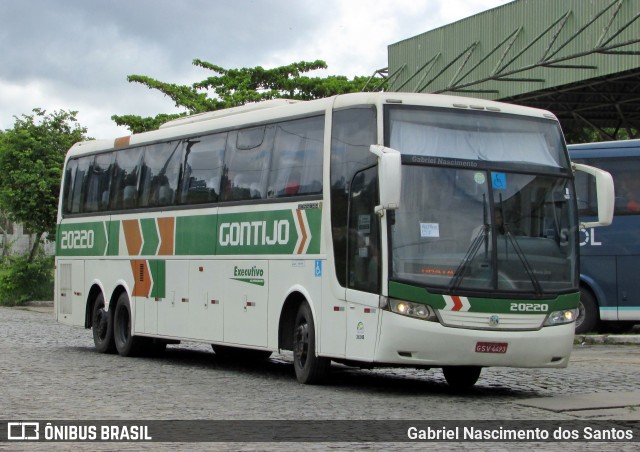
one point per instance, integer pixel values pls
(588, 315)
(102, 327)
(126, 343)
(461, 378)
(309, 368)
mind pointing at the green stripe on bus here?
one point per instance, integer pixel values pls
(158, 269)
(314, 217)
(82, 239)
(196, 235)
(271, 232)
(287, 231)
(489, 305)
(113, 247)
(149, 236)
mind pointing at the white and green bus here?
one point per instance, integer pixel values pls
(367, 229)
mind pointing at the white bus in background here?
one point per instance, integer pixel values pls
(366, 229)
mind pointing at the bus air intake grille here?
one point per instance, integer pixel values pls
(490, 321)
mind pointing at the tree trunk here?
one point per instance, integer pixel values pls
(36, 245)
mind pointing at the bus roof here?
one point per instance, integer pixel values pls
(282, 109)
(621, 148)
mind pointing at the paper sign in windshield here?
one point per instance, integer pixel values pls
(429, 230)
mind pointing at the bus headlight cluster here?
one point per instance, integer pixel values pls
(417, 310)
(561, 317)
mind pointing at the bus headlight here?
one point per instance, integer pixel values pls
(416, 310)
(561, 317)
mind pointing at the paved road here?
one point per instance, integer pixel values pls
(51, 371)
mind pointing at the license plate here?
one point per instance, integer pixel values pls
(491, 347)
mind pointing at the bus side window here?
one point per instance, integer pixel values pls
(124, 188)
(160, 174)
(247, 163)
(202, 172)
(99, 182)
(629, 188)
(353, 132)
(296, 165)
(626, 182)
(79, 184)
(69, 177)
(364, 233)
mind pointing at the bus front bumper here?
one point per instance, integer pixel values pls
(413, 342)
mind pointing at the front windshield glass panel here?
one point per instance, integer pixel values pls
(476, 136)
(491, 227)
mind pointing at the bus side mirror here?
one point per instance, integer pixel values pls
(389, 177)
(605, 195)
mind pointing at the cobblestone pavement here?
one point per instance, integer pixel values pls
(51, 371)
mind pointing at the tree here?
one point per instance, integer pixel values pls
(31, 159)
(234, 87)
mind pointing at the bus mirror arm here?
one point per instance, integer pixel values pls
(605, 195)
(389, 177)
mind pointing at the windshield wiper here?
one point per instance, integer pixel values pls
(458, 276)
(525, 263)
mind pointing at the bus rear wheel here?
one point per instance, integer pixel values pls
(310, 368)
(102, 327)
(461, 378)
(587, 319)
(126, 343)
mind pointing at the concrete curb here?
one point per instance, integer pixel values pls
(40, 304)
(621, 339)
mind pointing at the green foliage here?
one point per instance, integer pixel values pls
(234, 87)
(137, 124)
(592, 135)
(22, 280)
(31, 159)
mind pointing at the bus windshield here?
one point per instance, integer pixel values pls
(483, 210)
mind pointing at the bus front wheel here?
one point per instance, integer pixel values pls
(587, 319)
(461, 378)
(126, 343)
(310, 368)
(102, 327)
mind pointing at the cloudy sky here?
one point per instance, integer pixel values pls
(76, 54)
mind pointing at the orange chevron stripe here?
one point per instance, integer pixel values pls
(141, 278)
(166, 227)
(305, 237)
(132, 236)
